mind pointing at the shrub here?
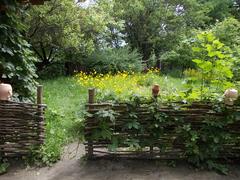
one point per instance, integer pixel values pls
(114, 60)
(50, 151)
(214, 62)
(16, 59)
(180, 57)
(3, 165)
(191, 73)
(52, 71)
(55, 138)
(201, 144)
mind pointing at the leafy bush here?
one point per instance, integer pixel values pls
(180, 57)
(228, 31)
(50, 151)
(55, 136)
(202, 144)
(231, 39)
(114, 60)
(52, 71)
(214, 62)
(16, 59)
(3, 165)
(191, 73)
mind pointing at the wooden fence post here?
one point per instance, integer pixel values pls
(91, 95)
(40, 94)
(155, 92)
(40, 111)
(91, 100)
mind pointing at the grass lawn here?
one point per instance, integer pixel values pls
(66, 97)
(65, 100)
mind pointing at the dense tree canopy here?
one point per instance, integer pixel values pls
(152, 27)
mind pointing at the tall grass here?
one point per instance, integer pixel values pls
(65, 99)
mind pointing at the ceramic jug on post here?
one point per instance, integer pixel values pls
(5, 92)
(230, 95)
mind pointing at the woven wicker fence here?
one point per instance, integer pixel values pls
(193, 114)
(21, 127)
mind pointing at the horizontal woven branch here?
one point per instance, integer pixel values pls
(192, 114)
(21, 127)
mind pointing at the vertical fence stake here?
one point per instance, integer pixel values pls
(40, 94)
(40, 110)
(155, 92)
(91, 100)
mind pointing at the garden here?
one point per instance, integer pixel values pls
(127, 80)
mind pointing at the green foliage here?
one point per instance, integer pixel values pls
(3, 167)
(114, 60)
(214, 62)
(228, 32)
(54, 70)
(64, 119)
(16, 58)
(180, 57)
(50, 152)
(55, 28)
(62, 30)
(202, 146)
(104, 130)
(218, 10)
(152, 26)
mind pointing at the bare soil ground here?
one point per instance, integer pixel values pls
(71, 167)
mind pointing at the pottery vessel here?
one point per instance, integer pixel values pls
(5, 92)
(230, 96)
(155, 90)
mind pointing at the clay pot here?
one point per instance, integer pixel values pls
(155, 90)
(5, 92)
(230, 95)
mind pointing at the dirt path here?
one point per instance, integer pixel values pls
(72, 168)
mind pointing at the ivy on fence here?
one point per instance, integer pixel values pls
(201, 133)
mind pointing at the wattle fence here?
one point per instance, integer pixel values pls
(21, 127)
(171, 144)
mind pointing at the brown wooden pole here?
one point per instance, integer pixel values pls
(155, 91)
(40, 94)
(40, 109)
(91, 96)
(91, 100)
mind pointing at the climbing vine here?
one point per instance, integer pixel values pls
(144, 125)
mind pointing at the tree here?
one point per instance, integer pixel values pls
(228, 33)
(62, 30)
(53, 29)
(217, 10)
(156, 26)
